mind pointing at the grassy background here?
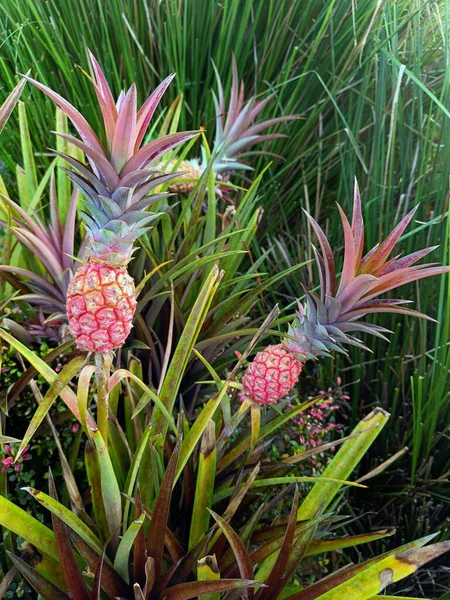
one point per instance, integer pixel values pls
(371, 80)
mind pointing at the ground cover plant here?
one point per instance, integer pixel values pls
(370, 107)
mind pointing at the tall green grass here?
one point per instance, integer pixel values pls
(371, 80)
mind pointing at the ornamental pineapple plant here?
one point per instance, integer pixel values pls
(116, 184)
(326, 321)
(236, 130)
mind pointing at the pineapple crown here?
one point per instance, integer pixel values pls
(118, 178)
(329, 319)
(236, 129)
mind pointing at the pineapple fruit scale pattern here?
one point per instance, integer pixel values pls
(101, 301)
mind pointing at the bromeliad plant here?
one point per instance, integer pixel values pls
(101, 299)
(327, 321)
(236, 130)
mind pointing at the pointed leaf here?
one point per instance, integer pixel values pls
(79, 122)
(72, 574)
(10, 102)
(193, 589)
(67, 373)
(155, 543)
(43, 587)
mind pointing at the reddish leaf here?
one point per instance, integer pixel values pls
(139, 550)
(146, 111)
(79, 122)
(96, 586)
(155, 542)
(328, 258)
(43, 587)
(72, 574)
(357, 224)
(10, 102)
(155, 150)
(239, 550)
(193, 589)
(378, 258)
(104, 96)
(125, 131)
(278, 570)
(111, 581)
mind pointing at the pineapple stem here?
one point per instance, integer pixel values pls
(103, 364)
(255, 412)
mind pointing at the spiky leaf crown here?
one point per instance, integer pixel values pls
(236, 129)
(329, 319)
(118, 179)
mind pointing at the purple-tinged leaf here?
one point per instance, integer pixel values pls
(82, 185)
(68, 241)
(111, 581)
(239, 550)
(328, 258)
(98, 161)
(153, 151)
(299, 549)
(34, 224)
(105, 97)
(180, 571)
(321, 271)
(85, 172)
(278, 569)
(72, 574)
(139, 550)
(44, 253)
(261, 153)
(235, 148)
(96, 586)
(402, 277)
(81, 125)
(194, 589)
(371, 328)
(138, 177)
(10, 102)
(259, 106)
(407, 261)
(240, 122)
(143, 189)
(55, 218)
(368, 309)
(155, 541)
(43, 587)
(42, 300)
(354, 291)
(377, 260)
(349, 267)
(357, 224)
(255, 129)
(234, 98)
(147, 110)
(43, 284)
(125, 131)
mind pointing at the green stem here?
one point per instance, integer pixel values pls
(103, 364)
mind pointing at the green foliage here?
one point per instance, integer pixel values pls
(370, 81)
